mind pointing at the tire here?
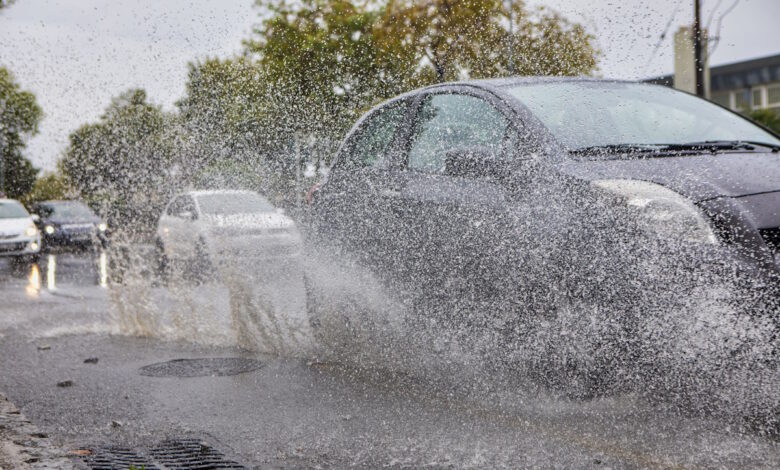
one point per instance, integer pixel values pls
(201, 266)
(162, 263)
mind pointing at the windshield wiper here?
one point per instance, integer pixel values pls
(614, 149)
(713, 146)
(709, 145)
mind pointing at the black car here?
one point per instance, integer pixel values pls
(69, 224)
(511, 203)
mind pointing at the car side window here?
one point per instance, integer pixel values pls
(181, 204)
(369, 145)
(174, 207)
(448, 122)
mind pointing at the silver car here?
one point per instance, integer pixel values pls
(19, 237)
(200, 227)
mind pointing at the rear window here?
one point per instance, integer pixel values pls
(234, 203)
(12, 210)
(66, 210)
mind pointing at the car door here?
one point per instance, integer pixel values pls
(458, 222)
(355, 208)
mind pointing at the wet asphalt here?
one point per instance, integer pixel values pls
(297, 412)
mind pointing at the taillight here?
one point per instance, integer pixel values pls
(310, 194)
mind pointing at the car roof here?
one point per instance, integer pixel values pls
(494, 83)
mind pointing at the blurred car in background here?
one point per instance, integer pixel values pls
(19, 237)
(69, 224)
(199, 226)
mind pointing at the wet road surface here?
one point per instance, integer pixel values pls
(293, 412)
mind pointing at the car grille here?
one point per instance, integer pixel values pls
(9, 247)
(771, 237)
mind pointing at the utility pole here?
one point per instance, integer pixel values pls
(698, 62)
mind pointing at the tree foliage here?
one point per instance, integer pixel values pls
(123, 162)
(19, 118)
(767, 118)
(49, 186)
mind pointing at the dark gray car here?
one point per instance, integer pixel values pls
(528, 198)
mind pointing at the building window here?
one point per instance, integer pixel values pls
(741, 100)
(723, 98)
(773, 95)
(756, 101)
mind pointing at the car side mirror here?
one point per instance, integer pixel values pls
(35, 218)
(475, 162)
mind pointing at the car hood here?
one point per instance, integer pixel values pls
(698, 177)
(14, 226)
(80, 220)
(260, 220)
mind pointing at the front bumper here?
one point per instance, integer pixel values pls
(256, 247)
(20, 246)
(75, 239)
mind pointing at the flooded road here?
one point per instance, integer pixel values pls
(294, 411)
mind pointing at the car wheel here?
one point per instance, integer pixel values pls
(162, 262)
(202, 268)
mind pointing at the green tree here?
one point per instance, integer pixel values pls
(123, 164)
(324, 59)
(47, 187)
(19, 118)
(767, 118)
(455, 39)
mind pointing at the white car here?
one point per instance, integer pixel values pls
(19, 237)
(203, 227)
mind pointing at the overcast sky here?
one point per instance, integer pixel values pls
(76, 54)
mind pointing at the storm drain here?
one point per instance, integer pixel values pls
(201, 367)
(190, 454)
(180, 454)
(110, 458)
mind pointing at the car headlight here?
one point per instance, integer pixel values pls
(31, 231)
(665, 211)
(49, 229)
(102, 226)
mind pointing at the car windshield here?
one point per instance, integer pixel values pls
(12, 210)
(234, 203)
(66, 210)
(584, 115)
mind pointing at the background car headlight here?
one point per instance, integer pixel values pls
(49, 229)
(102, 226)
(31, 231)
(665, 211)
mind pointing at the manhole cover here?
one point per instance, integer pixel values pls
(201, 367)
(178, 454)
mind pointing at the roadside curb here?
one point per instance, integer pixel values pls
(23, 446)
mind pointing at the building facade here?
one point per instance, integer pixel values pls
(741, 86)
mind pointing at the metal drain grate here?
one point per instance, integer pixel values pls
(189, 454)
(115, 458)
(179, 454)
(201, 367)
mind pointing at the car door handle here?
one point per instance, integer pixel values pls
(387, 192)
